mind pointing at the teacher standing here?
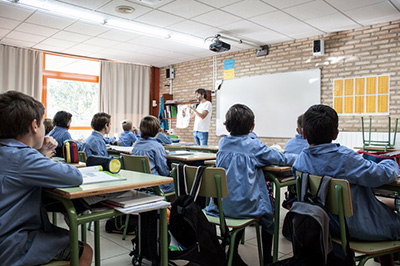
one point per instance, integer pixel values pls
(202, 117)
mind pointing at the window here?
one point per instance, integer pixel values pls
(361, 95)
(71, 84)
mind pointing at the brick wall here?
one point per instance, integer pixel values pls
(372, 50)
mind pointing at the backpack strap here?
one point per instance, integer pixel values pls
(322, 191)
(181, 180)
(197, 182)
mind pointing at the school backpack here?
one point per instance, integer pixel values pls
(70, 151)
(307, 226)
(189, 226)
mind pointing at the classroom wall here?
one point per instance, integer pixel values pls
(372, 50)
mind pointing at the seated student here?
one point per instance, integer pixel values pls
(48, 125)
(243, 157)
(297, 143)
(163, 138)
(26, 235)
(148, 146)
(372, 220)
(127, 138)
(62, 121)
(95, 143)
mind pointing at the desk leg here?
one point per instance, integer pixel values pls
(97, 243)
(73, 232)
(276, 219)
(164, 237)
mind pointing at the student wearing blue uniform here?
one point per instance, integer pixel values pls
(163, 139)
(127, 138)
(243, 157)
(372, 220)
(95, 143)
(147, 145)
(297, 143)
(26, 235)
(62, 121)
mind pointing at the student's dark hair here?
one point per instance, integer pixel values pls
(320, 124)
(202, 92)
(100, 120)
(61, 119)
(17, 112)
(300, 122)
(149, 126)
(48, 125)
(239, 120)
(127, 125)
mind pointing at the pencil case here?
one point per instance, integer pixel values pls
(111, 164)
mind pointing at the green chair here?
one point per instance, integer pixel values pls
(339, 203)
(57, 263)
(82, 156)
(214, 185)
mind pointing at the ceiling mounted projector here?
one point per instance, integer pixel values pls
(219, 46)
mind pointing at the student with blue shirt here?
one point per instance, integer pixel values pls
(163, 138)
(61, 121)
(372, 220)
(95, 143)
(243, 157)
(148, 146)
(127, 138)
(26, 235)
(297, 143)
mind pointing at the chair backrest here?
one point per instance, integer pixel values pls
(82, 156)
(209, 183)
(338, 193)
(136, 163)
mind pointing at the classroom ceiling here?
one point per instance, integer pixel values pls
(185, 22)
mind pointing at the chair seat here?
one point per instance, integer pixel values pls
(371, 248)
(57, 263)
(232, 223)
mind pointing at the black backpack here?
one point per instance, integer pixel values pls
(307, 226)
(190, 227)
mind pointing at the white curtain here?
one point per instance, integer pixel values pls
(124, 93)
(21, 70)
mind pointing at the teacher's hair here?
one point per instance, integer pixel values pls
(202, 92)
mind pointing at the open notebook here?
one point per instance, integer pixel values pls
(94, 174)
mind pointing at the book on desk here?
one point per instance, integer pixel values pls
(94, 174)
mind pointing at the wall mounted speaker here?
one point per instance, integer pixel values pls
(318, 47)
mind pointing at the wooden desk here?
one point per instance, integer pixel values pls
(133, 180)
(375, 148)
(194, 157)
(204, 148)
(281, 176)
(119, 149)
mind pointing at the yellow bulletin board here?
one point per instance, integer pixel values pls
(362, 95)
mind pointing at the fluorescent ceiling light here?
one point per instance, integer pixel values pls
(62, 10)
(138, 28)
(190, 40)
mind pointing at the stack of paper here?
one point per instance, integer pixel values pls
(94, 174)
(135, 201)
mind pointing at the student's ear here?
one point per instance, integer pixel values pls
(252, 128)
(298, 131)
(34, 126)
(337, 133)
(303, 133)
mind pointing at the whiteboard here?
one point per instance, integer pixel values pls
(276, 100)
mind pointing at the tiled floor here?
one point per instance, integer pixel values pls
(114, 250)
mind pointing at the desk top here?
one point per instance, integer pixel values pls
(196, 156)
(375, 148)
(208, 148)
(133, 180)
(120, 149)
(276, 168)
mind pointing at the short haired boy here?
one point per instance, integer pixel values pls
(148, 146)
(127, 138)
(297, 143)
(62, 121)
(372, 220)
(95, 143)
(243, 158)
(26, 235)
